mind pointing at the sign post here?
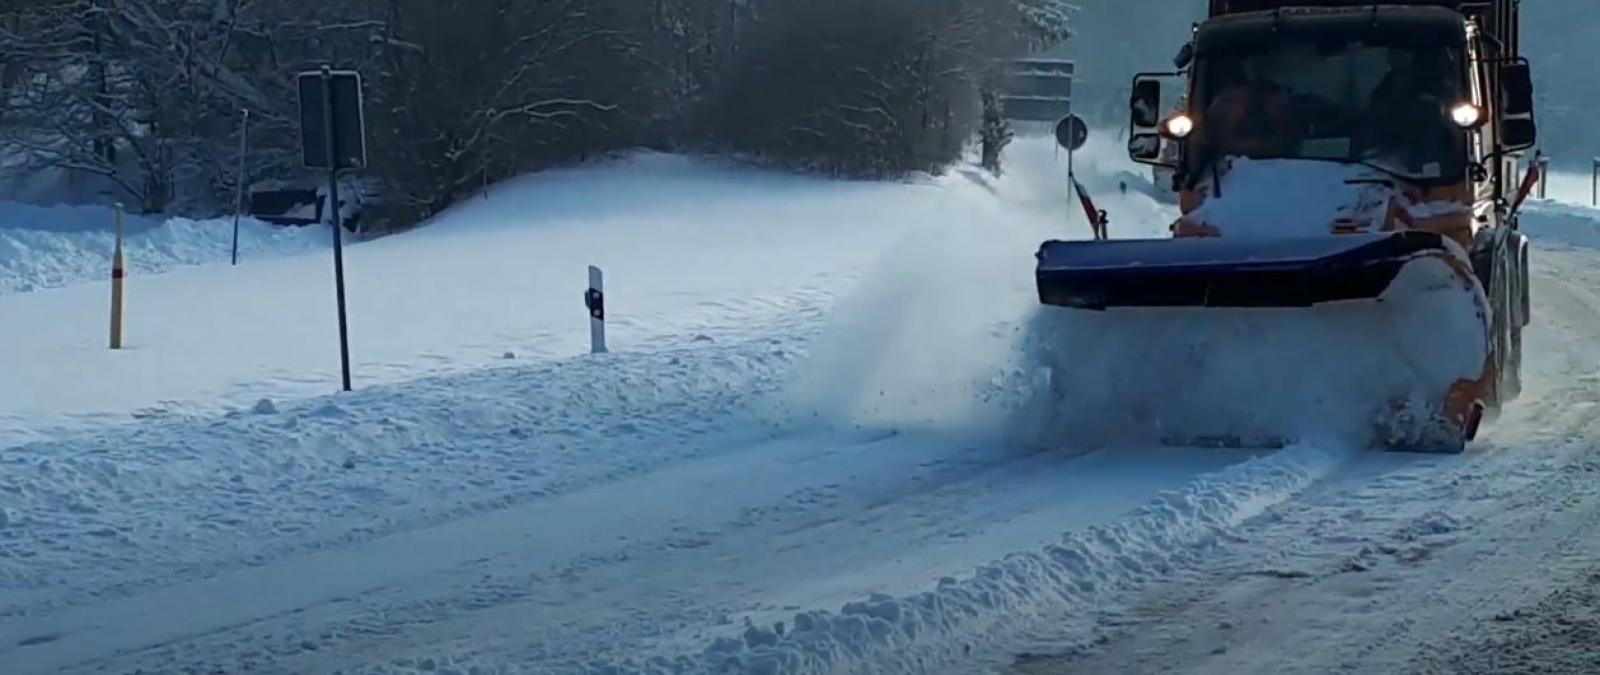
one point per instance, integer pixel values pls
(1072, 133)
(238, 205)
(118, 272)
(333, 137)
(1038, 89)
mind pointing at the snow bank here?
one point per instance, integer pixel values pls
(962, 621)
(46, 247)
(690, 249)
(1571, 188)
(1561, 223)
(128, 507)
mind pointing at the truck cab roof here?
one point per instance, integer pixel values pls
(1419, 26)
(1221, 7)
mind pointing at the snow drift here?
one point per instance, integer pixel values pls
(1563, 224)
(46, 247)
(692, 250)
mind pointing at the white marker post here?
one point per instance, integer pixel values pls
(595, 300)
(117, 273)
(1594, 183)
(1544, 176)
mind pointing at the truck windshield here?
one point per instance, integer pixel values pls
(1340, 100)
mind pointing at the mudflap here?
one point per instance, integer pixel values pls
(1368, 339)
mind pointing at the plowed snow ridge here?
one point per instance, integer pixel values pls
(50, 247)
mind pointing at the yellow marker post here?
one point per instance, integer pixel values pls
(117, 274)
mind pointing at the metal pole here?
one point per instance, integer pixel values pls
(1594, 184)
(238, 205)
(331, 139)
(1072, 183)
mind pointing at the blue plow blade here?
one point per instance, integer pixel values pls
(1223, 272)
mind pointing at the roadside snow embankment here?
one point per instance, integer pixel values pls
(48, 247)
(127, 507)
(1548, 221)
(689, 248)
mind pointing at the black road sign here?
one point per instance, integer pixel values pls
(333, 138)
(1038, 90)
(349, 120)
(1072, 132)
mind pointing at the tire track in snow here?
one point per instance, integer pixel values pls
(968, 619)
(98, 514)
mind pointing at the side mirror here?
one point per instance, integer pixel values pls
(1145, 103)
(1516, 87)
(1145, 148)
(1518, 130)
(1184, 57)
(1146, 137)
(1518, 135)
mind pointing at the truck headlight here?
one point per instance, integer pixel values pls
(1466, 115)
(1178, 126)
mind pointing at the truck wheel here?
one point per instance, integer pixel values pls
(1508, 322)
(1525, 271)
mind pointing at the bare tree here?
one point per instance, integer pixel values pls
(874, 88)
(471, 91)
(145, 95)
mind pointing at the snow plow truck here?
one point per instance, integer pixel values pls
(1349, 184)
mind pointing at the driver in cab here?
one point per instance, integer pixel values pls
(1251, 116)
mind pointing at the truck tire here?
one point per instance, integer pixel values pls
(1511, 317)
(1497, 265)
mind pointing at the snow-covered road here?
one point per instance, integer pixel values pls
(664, 560)
(1406, 564)
(801, 458)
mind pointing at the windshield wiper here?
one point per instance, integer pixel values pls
(1420, 180)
